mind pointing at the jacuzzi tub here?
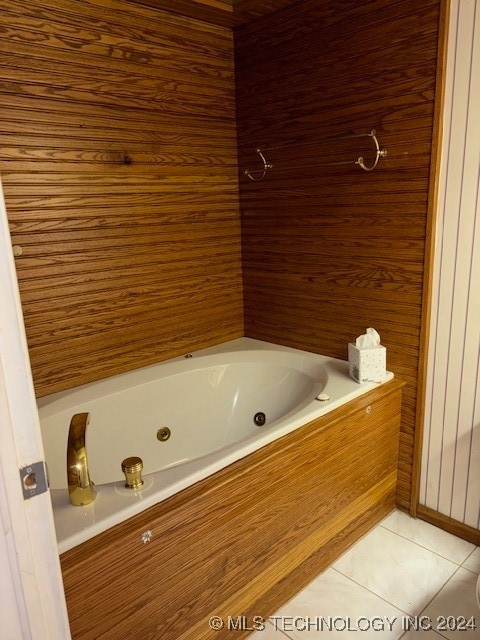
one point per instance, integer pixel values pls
(208, 400)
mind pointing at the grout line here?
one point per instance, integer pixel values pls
(436, 594)
(403, 633)
(372, 592)
(401, 610)
(277, 631)
(431, 550)
(469, 555)
(433, 598)
(432, 630)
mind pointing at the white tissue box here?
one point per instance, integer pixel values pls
(367, 364)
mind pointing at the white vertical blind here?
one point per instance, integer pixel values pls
(450, 478)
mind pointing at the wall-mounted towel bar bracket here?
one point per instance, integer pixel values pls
(259, 174)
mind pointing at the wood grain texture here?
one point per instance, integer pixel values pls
(118, 159)
(331, 250)
(311, 494)
(227, 13)
(457, 528)
(215, 12)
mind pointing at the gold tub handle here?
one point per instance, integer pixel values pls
(132, 468)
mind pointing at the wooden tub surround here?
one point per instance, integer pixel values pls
(244, 540)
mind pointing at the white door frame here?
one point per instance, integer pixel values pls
(31, 588)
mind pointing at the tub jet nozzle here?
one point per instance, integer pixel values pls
(259, 419)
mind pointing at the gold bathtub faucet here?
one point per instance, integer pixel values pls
(80, 488)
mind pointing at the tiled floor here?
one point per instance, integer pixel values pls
(403, 567)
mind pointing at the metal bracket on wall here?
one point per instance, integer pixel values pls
(259, 174)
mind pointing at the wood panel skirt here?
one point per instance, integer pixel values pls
(242, 542)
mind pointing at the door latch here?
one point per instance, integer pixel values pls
(34, 479)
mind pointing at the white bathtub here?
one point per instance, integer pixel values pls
(208, 401)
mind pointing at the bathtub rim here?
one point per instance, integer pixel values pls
(173, 366)
(75, 525)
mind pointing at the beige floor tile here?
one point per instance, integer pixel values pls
(398, 570)
(429, 536)
(473, 561)
(269, 633)
(417, 635)
(402, 566)
(454, 603)
(332, 606)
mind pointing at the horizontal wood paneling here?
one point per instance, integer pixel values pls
(227, 13)
(329, 251)
(212, 11)
(118, 158)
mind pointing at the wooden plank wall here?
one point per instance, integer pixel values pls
(118, 158)
(226, 13)
(329, 251)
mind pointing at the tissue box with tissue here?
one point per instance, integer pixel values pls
(367, 358)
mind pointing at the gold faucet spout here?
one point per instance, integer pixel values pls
(80, 488)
